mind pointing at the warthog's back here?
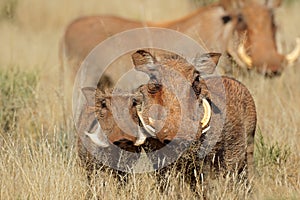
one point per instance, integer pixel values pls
(83, 34)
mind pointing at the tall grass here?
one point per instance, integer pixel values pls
(203, 2)
(8, 9)
(17, 91)
(38, 158)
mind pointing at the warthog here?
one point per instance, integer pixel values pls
(104, 137)
(171, 111)
(255, 37)
(244, 29)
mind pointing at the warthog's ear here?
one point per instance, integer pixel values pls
(142, 57)
(89, 94)
(206, 63)
(145, 62)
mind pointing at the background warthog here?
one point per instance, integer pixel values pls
(229, 143)
(246, 30)
(253, 43)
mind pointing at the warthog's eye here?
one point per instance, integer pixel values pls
(196, 75)
(241, 23)
(154, 87)
(273, 21)
(103, 103)
(240, 18)
(137, 99)
(196, 84)
(226, 19)
(136, 102)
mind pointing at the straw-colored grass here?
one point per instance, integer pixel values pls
(38, 157)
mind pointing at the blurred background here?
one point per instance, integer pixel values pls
(38, 141)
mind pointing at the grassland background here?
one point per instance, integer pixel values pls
(37, 146)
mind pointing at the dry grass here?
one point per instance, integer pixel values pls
(37, 148)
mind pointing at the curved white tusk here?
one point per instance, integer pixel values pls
(243, 55)
(141, 138)
(206, 129)
(292, 57)
(206, 117)
(147, 127)
(150, 130)
(98, 137)
(152, 121)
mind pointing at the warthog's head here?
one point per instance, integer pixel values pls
(175, 102)
(117, 116)
(255, 44)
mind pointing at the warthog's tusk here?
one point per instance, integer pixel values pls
(98, 137)
(206, 117)
(292, 57)
(147, 127)
(150, 129)
(244, 57)
(205, 129)
(141, 137)
(152, 121)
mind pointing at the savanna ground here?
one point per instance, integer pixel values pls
(38, 157)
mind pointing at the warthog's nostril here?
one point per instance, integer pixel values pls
(276, 73)
(117, 143)
(167, 141)
(130, 143)
(273, 73)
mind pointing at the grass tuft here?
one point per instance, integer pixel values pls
(8, 9)
(270, 154)
(17, 91)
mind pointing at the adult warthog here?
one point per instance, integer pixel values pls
(211, 120)
(107, 141)
(246, 30)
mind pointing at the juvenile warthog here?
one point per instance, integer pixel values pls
(246, 30)
(171, 112)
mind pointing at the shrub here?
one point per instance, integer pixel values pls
(202, 2)
(273, 154)
(8, 9)
(17, 91)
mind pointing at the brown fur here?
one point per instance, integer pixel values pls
(229, 144)
(213, 26)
